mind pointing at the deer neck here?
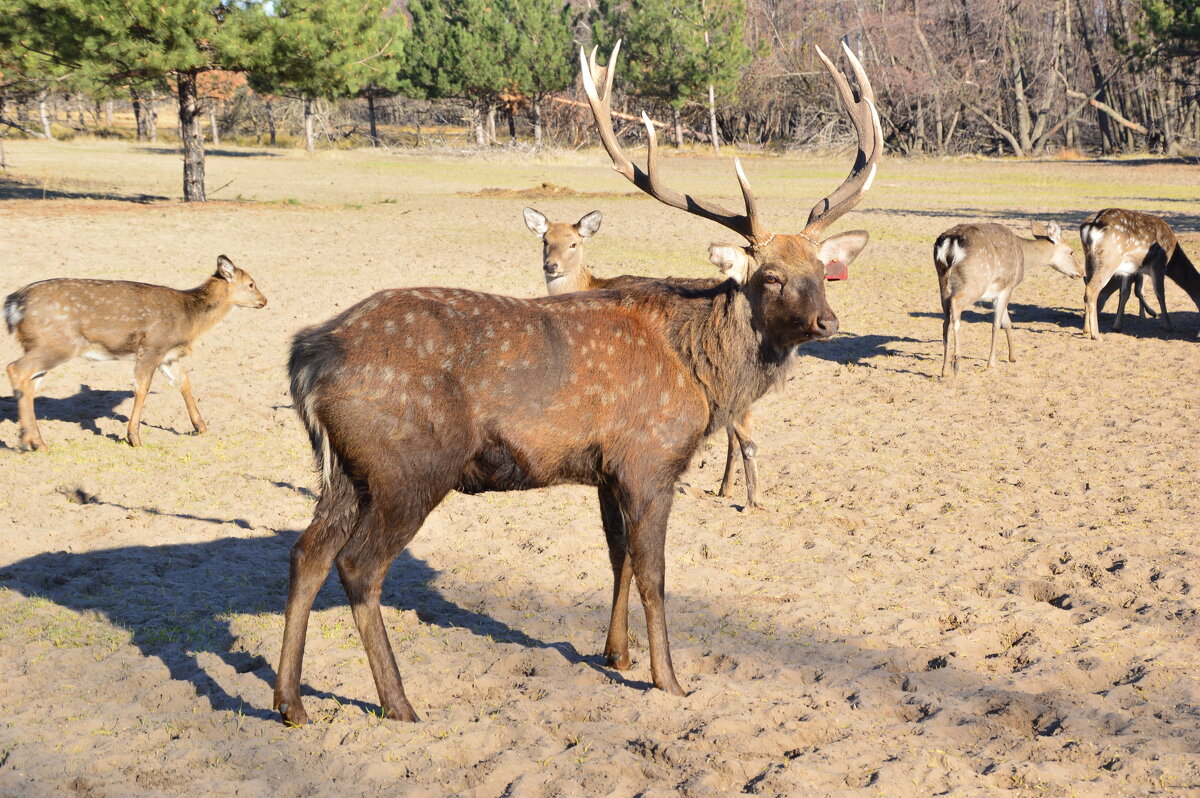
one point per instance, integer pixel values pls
(713, 334)
(207, 304)
(579, 280)
(1036, 252)
(1183, 272)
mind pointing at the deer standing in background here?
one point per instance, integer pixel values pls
(565, 268)
(1128, 244)
(57, 320)
(413, 393)
(986, 262)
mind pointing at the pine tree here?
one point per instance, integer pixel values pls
(324, 49)
(113, 41)
(675, 50)
(543, 61)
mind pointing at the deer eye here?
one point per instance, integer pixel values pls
(573, 245)
(771, 279)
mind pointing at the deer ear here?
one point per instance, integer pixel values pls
(843, 247)
(1054, 232)
(1038, 229)
(225, 268)
(536, 223)
(589, 224)
(735, 262)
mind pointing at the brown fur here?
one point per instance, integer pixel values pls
(57, 320)
(414, 393)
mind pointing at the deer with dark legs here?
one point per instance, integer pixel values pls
(986, 262)
(1120, 245)
(565, 268)
(155, 326)
(413, 393)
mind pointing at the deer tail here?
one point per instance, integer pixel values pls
(313, 353)
(14, 310)
(948, 251)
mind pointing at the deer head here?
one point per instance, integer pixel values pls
(1061, 258)
(562, 246)
(781, 274)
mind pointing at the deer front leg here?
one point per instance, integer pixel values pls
(185, 388)
(1006, 323)
(726, 489)
(647, 528)
(1124, 285)
(616, 646)
(1143, 306)
(1158, 271)
(742, 429)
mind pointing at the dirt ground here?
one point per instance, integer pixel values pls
(972, 590)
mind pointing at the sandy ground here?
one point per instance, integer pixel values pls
(974, 590)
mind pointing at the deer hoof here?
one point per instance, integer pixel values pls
(620, 662)
(32, 444)
(201, 428)
(403, 712)
(293, 714)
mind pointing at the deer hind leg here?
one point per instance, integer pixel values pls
(382, 532)
(24, 373)
(1092, 293)
(726, 489)
(1143, 306)
(646, 516)
(1156, 259)
(312, 557)
(1124, 283)
(743, 428)
(946, 322)
(176, 375)
(616, 647)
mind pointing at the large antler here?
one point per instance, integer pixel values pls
(746, 225)
(870, 146)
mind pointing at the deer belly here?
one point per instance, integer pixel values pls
(993, 292)
(1127, 267)
(99, 352)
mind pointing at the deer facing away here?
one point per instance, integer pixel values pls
(986, 262)
(57, 320)
(565, 268)
(413, 393)
(1120, 245)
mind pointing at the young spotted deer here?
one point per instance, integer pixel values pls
(56, 320)
(565, 268)
(413, 393)
(986, 262)
(1119, 245)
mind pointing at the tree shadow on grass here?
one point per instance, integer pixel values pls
(1070, 219)
(14, 189)
(218, 152)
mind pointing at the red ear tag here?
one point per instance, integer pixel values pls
(836, 270)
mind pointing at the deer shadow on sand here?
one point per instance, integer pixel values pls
(860, 350)
(1071, 320)
(85, 409)
(177, 599)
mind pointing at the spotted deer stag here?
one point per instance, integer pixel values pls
(155, 326)
(986, 262)
(1121, 245)
(565, 268)
(413, 393)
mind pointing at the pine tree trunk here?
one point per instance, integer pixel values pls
(139, 112)
(271, 121)
(44, 113)
(108, 111)
(152, 116)
(192, 137)
(712, 119)
(535, 113)
(491, 124)
(212, 123)
(309, 144)
(371, 116)
(480, 134)
(512, 125)
(678, 128)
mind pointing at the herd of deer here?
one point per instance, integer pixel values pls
(614, 383)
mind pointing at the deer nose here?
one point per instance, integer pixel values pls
(825, 326)
(550, 268)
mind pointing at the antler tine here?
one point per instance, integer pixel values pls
(860, 106)
(745, 225)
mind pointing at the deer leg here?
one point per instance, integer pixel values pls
(945, 337)
(178, 376)
(312, 557)
(1143, 307)
(1006, 323)
(378, 538)
(616, 647)
(1091, 304)
(1158, 273)
(1122, 298)
(726, 489)
(647, 519)
(743, 428)
(143, 373)
(23, 373)
(997, 315)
